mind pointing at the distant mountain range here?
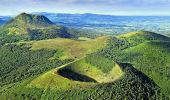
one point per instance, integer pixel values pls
(86, 18)
(2, 22)
(4, 19)
(109, 24)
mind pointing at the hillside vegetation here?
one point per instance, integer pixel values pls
(150, 56)
(28, 20)
(157, 60)
(19, 62)
(43, 61)
(70, 48)
(135, 38)
(86, 78)
(133, 84)
(35, 27)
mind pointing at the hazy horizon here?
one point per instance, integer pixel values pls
(116, 7)
(13, 15)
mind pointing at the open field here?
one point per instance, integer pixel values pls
(71, 48)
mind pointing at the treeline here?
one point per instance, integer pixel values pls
(5, 38)
(34, 34)
(82, 33)
(151, 57)
(133, 86)
(49, 32)
(41, 34)
(19, 62)
(100, 62)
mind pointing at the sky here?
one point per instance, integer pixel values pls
(111, 7)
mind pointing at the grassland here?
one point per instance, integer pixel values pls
(135, 66)
(82, 67)
(59, 47)
(133, 84)
(156, 56)
(84, 38)
(148, 52)
(135, 38)
(55, 81)
(52, 80)
(71, 48)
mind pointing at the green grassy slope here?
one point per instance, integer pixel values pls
(133, 84)
(155, 55)
(71, 48)
(35, 27)
(150, 56)
(23, 22)
(106, 74)
(75, 75)
(124, 88)
(28, 20)
(143, 35)
(92, 71)
(22, 60)
(135, 38)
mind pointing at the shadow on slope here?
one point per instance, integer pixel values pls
(134, 85)
(128, 68)
(68, 73)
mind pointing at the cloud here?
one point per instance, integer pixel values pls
(89, 1)
(104, 1)
(99, 6)
(86, 2)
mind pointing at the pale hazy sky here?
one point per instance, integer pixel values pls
(114, 7)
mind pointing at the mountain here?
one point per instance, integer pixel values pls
(2, 22)
(35, 27)
(23, 22)
(145, 35)
(4, 19)
(149, 52)
(28, 20)
(110, 24)
(135, 38)
(152, 58)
